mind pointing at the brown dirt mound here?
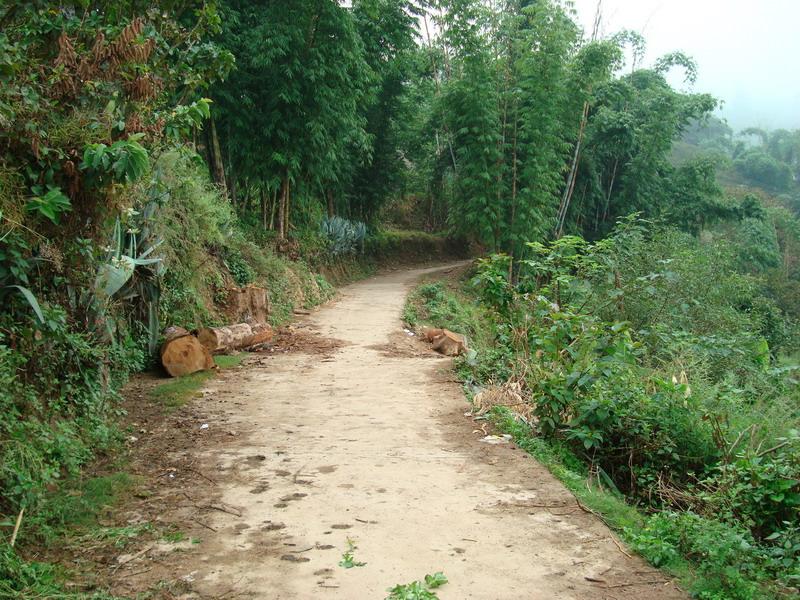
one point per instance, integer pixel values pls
(402, 345)
(301, 339)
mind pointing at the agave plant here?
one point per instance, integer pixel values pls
(343, 236)
(131, 273)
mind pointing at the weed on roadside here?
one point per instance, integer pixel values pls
(348, 557)
(418, 590)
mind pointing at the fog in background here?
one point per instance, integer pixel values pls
(746, 50)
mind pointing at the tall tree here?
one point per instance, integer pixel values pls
(632, 126)
(388, 32)
(290, 111)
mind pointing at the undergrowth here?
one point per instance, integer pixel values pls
(67, 516)
(723, 521)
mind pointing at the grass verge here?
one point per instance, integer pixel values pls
(177, 392)
(72, 518)
(69, 517)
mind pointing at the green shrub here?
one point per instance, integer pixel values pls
(667, 387)
(56, 403)
(758, 490)
(239, 268)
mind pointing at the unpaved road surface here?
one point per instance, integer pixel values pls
(368, 441)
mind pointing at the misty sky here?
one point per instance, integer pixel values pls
(746, 50)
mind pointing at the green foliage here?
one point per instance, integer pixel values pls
(187, 117)
(22, 579)
(757, 489)
(74, 512)
(762, 169)
(625, 164)
(239, 268)
(125, 161)
(30, 299)
(50, 204)
(418, 590)
(664, 385)
(109, 76)
(275, 98)
(81, 102)
(730, 563)
(56, 403)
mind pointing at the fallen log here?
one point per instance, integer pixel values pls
(262, 333)
(431, 333)
(450, 344)
(182, 353)
(234, 337)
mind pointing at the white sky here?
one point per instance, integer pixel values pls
(747, 50)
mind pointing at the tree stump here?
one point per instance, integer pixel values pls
(182, 353)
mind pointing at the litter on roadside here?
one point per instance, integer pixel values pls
(496, 439)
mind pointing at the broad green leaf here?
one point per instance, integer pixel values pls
(32, 301)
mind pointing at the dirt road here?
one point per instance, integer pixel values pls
(369, 442)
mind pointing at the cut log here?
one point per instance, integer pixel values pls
(431, 333)
(173, 332)
(220, 339)
(234, 337)
(183, 354)
(262, 333)
(450, 344)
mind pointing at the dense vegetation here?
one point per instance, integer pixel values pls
(153, 156)
(651, 385)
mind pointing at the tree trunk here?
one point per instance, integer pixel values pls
(273, 209)
(513, 198)
(217, 168)
(282, 207)
(233, 191)
(331, 204)
(231, 174)
(234, 337)
(263, 207)
(286, 209)
(610, 189)
(573, 174)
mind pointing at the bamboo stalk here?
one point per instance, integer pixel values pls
(17, 526)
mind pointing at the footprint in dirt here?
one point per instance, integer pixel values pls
(255, 460)
(341, 526)
(293, 497)
(326, 469)
(295, 558)
(260, 488)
